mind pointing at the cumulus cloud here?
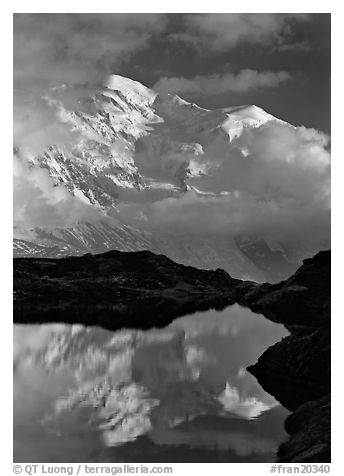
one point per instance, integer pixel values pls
(37, 126)
(245, 80)
(273, 181)
(38, 202)
(220, 31)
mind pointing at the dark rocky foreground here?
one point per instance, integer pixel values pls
(297, 370)
(115, 289)
(143, 290)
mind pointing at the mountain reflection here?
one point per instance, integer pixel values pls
(162, 383)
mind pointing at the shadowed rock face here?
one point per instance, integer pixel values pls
(143, 290)
(297, 370)
(301, 300)
(310, 430)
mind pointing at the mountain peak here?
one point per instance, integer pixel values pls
(136, 91)
(130, 87)
(249, 112)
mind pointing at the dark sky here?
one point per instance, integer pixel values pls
(201, 57)
(305, 54)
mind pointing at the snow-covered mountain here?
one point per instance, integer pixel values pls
(130, 142)
(123, 123)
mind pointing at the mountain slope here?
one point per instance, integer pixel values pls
(131, 144)
(121, 121)
(193, 250)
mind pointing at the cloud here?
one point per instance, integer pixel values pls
(38, 199)
(245, 407)
(37, 126)
(273, 181)
(221, 31)
(245, 80)
(77, 47)
(38, 202)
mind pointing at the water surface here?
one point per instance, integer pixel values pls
(182, 393)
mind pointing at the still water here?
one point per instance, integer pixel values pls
(178, 394)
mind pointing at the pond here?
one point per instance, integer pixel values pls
(178, 394)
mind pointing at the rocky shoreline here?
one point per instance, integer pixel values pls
(143, 290)
(115, 289)
(297, 370)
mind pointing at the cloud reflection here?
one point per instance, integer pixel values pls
(153, 382)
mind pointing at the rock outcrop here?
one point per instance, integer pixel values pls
(297, 370)
(115, 289)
